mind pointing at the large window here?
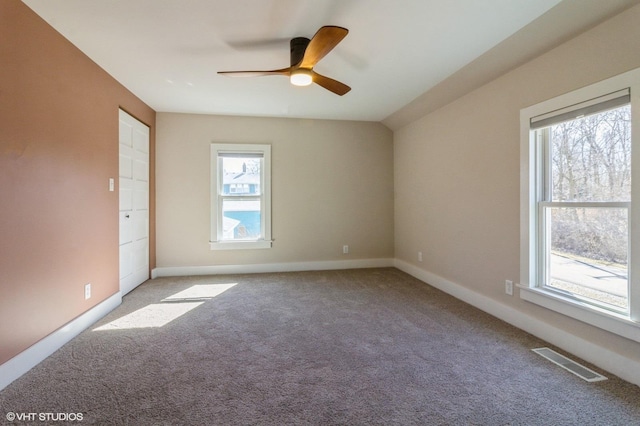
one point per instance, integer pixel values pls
(578, 253)
(240, 196)
(585, 195)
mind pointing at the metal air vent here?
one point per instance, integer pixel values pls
(579, 370)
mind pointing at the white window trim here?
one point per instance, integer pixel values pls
(626, 326)
(216, 223)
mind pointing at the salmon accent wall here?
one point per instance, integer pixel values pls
(58, 149)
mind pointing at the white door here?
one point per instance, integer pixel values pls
(134, 203)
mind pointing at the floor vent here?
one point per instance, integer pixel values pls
(579, 370)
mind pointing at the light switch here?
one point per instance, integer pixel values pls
(112, 185)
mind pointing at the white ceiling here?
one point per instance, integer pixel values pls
(167, 52)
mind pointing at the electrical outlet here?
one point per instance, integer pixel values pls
(345, 249)
(419, 256)
(87, 291)
(508, 287)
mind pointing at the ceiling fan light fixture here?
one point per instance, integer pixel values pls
(301, 77)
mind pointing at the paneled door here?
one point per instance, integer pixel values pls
(134, 203)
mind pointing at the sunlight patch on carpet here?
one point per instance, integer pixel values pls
(200, 292)
(169, 309)
(155, 315)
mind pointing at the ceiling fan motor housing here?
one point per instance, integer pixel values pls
(298, 47)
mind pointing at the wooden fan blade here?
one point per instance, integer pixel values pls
(283, 71)
(322, 43)
(330, 84)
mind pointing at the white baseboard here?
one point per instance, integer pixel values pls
(29, 358)
(613, 362)
(173, 271)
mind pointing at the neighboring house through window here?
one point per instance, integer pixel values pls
(240, 196)
(579, 196)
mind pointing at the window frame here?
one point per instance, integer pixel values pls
(531, 238)
(545, 203)
(218, 151)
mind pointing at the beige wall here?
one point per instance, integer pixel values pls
(332, 184)
(58, 148)
(457, 172)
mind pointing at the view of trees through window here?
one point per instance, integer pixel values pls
(592, 157)
(587, 245)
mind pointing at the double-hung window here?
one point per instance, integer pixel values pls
(578, 253)
(240, 196)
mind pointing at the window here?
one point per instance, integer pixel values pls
(240, 196)
(577, 254)
(583, 207)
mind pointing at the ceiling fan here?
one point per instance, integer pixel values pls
(305, 54)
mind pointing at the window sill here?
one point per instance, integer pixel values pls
(240, 245)
(606, 320)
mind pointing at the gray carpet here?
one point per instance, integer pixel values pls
(357, 347)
